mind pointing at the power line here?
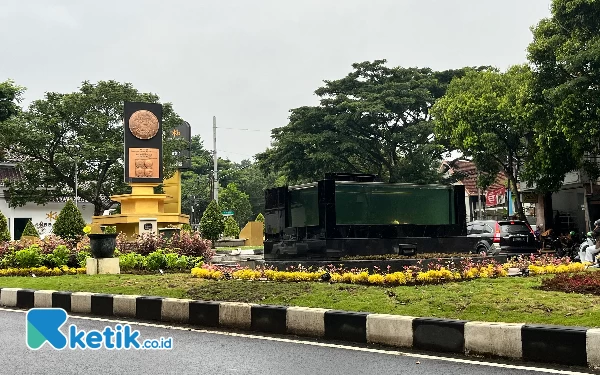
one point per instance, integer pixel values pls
(235, 153)
(250, 130)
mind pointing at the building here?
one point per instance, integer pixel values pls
(42, 216)
(481, 204)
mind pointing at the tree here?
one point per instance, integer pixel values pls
(4, 232)
(231, 228)
(30, 230)
(80, 131)
(565, 58)
(250, 179)
(69, 223)
(212, 223)
(233, 199)
(374, 120)
(485, 115)
(10, 96)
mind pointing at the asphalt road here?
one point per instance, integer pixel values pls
(218, 352)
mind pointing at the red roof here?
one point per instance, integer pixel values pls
(468, 168)
(8, 172)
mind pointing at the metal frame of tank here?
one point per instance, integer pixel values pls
(330, 240)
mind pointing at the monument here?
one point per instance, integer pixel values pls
(143, 211)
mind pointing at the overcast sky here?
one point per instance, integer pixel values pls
(249, 62)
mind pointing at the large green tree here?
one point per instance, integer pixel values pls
(233, 199)
(565, 58)
(374, 120)
(10, 96)
(80, 131)
(486, 115)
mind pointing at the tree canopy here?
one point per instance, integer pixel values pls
(565, 58)
(486, 116)
(82, 130)
(374, 120)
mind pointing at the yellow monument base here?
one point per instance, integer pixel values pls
(253, 233)
(141, 203)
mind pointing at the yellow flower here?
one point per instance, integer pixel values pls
(87, 229)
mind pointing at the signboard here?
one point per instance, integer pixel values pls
(228, 213)
(530, 197)
(143, 142)
(183, 131)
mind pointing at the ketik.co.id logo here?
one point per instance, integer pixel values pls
(43, 325)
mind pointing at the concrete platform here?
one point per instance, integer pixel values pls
(102, 266)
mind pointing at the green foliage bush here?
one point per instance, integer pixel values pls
(111, 229)
(59, 257)
(4, 232)
(82, 257)
(69, 223)
(186, 227)
(212, 223)
(28, 257)
(155, 260)
(231, 228)
(260, 217)
(131, 261)
(30, 230)
(9, 259)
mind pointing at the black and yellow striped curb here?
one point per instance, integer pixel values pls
(573, 346)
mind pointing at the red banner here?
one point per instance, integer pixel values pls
(495, 197)
(490, 199)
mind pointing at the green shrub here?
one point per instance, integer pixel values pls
(195, 262)
(260, 217)
(4, 232)
(186, 227)
(9, 259)
(69, 223)
(212, 223)
(82, 258)
(155, 260)
(171, 261)
(131, 261)
(59, 256)
(28, 257)
(182, 262)
(30, 230)
(231, 228)
(110, 229)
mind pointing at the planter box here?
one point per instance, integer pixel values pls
(102, 245)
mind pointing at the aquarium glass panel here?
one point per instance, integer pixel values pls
(377, 204)
(304, 207)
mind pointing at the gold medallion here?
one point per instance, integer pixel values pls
(143, 124)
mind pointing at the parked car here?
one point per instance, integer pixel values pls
(504, 237)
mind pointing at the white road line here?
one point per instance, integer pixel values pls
(321, 344)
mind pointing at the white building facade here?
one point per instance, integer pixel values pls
(42, 216)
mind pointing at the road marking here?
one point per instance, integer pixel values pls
(327, 345)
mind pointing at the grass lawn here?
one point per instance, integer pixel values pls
(502, 300)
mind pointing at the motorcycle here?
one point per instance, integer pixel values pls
(587, 242)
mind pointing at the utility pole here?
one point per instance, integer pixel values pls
(76, 159)
(215, 178)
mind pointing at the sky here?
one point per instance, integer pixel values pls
(249, 62)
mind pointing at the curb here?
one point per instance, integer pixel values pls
(571, 346)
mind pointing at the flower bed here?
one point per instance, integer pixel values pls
(41, 271)
(436, 274)
(584, 283)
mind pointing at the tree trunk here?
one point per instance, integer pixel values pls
(512, 178)
(98, 209)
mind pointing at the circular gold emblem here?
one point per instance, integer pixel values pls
(143, 124)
